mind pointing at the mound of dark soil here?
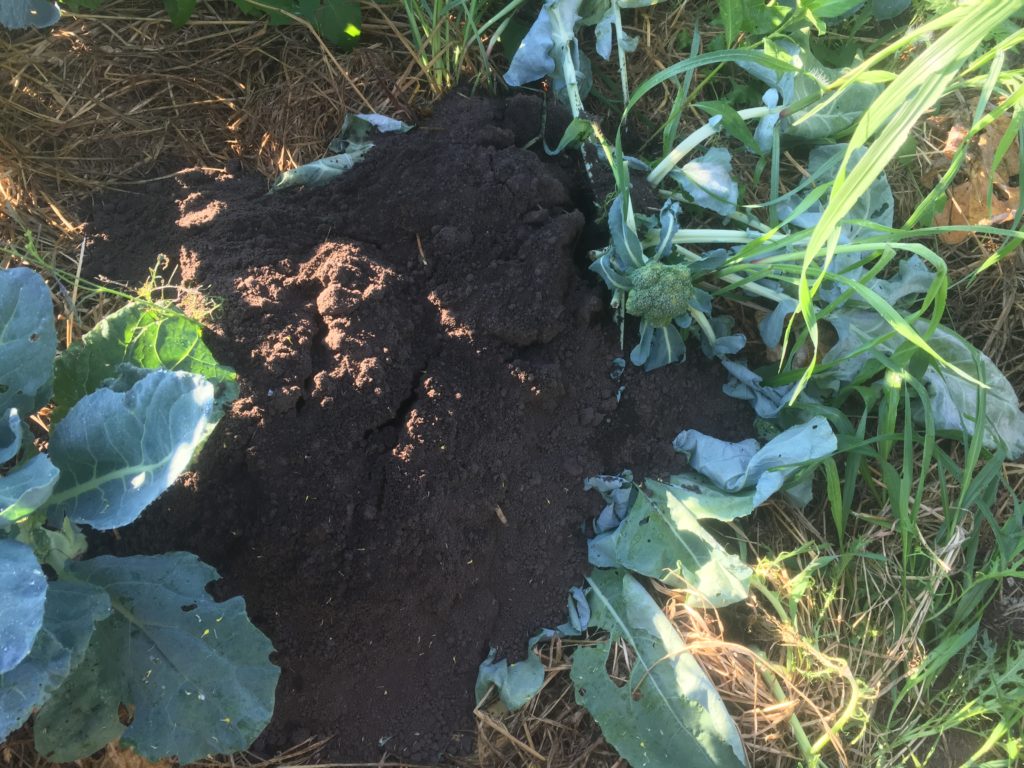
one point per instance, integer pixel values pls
(426, 381)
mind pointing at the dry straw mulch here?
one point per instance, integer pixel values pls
(109, 98)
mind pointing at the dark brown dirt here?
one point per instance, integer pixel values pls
(425, 369)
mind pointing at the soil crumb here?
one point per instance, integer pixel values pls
(426, 372)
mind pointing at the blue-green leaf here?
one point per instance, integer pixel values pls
(22, 14)
(809, 83)
(22, 597)
(661, 537)
(708, 181)
(145, 336)
(605, 266)
(26, 488)
(174, 655)
(658, 346)
(669, 712)
(734, 467)
(72, 610)
(516, 683)
(28, 342)
(538, 53)
(700, 499)
(625, 241)
(10, 435)
(117, 451)
(954, 401)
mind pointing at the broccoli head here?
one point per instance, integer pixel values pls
(660, 292)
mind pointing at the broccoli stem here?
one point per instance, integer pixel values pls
(619, 35)
(705, 325)
(695, 139)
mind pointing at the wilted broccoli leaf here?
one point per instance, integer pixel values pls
(551, 33)
(808, 82)
(351, 145)
(954, 401)
(708, 181)
(737, 466)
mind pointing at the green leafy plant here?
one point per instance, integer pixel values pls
(129, 648)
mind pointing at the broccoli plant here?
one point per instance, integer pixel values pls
(129, 648)
(661, 292)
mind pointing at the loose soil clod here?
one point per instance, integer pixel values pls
(425, 371)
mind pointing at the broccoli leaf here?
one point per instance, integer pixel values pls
(954, 401)
(662, 537)
(708, 181)
(668, 708)
(26, 488)
(736, 466)
(351, 146)
(536, 57)
(516, 683)
(146, 337)
(22, 598)
(605, 265)
(629, 251)
(618, 493)
(28, 343)
(658, 346)
(118, 450)
(171, 654)
(72, 610)
(22, 14)
(877, 205)
(744, 384)
(809, 82)
(10, 435)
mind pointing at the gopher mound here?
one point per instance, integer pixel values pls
(426, 370)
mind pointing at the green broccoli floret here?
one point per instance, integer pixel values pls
(660, 292)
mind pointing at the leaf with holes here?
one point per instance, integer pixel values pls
(28, 342)
(72, 610)
(170, 654)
